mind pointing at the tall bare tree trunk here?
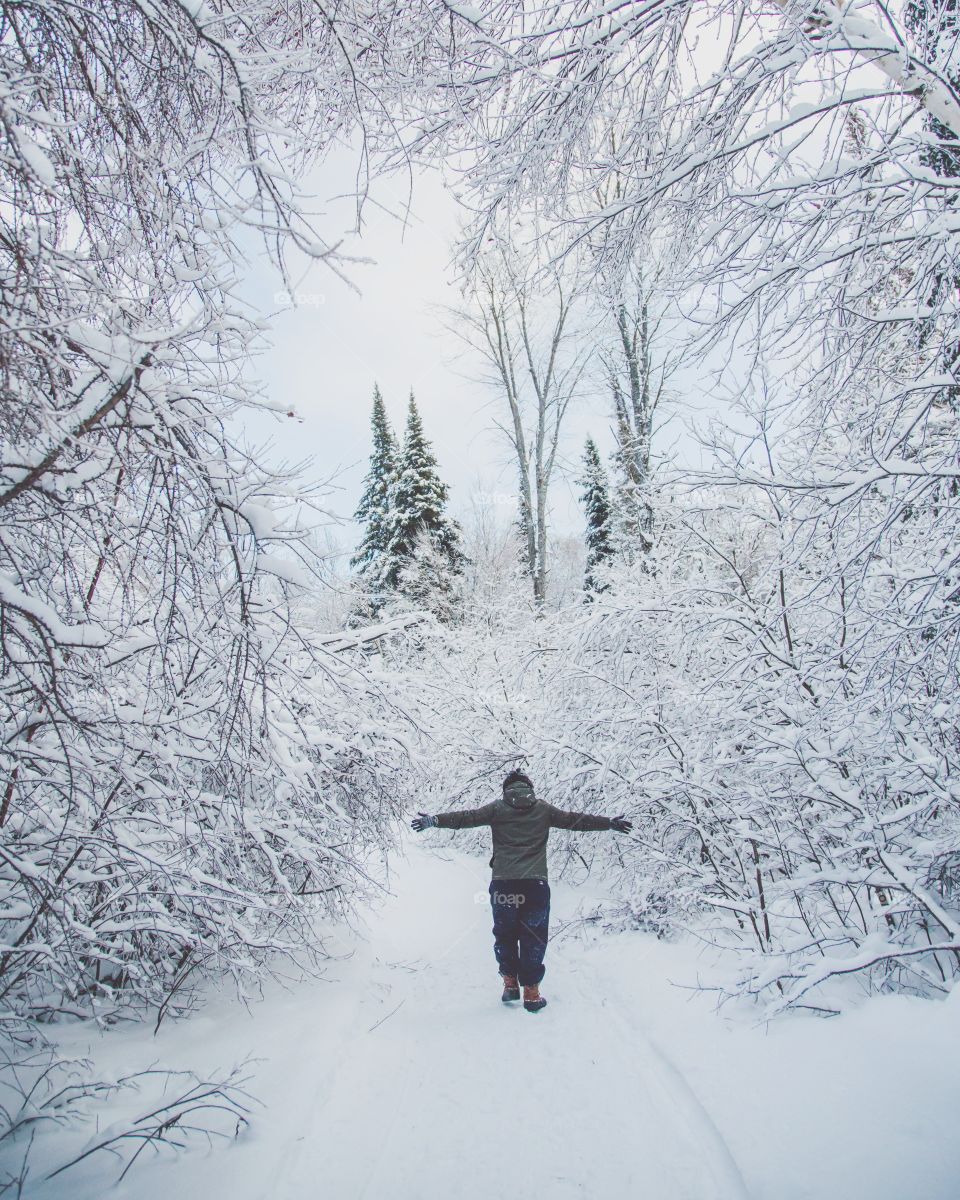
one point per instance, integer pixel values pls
(536, 366)
(637, 379)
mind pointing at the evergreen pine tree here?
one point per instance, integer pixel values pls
(420, 532)
(427, 581)
(373, 511)
(596, 503)
(935, 25)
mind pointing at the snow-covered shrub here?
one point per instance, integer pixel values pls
(188, 774)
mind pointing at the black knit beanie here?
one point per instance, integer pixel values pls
(517, 777)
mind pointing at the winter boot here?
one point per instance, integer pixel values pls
(532, 1000)
(511, 989)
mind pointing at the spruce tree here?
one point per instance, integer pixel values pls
(428, 582)
(373, 511)
(596, 503)
(935, 26)
(418, 519)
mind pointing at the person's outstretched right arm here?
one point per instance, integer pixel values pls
(465, 818)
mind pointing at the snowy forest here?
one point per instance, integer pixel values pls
(216, 732)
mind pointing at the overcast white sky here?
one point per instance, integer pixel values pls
(332, 345)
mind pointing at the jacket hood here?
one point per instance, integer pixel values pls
(520, 796)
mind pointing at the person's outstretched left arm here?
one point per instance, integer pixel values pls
(561, 818)
(465, 818)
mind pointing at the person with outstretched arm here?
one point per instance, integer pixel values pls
(519, 891)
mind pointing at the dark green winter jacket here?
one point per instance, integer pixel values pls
(520, 827)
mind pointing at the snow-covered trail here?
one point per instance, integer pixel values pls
(442, 1090)
(401, 1076)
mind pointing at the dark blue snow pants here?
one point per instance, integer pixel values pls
(521, 915)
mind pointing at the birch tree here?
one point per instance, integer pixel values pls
(637, 362)
(528, 339)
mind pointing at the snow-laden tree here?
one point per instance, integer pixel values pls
(787, 147)
(637, 353)
(373, 511)
(935, 27)
(525, 338)
(595, 496)
(188, 774)
(423, 558)
(427, 582)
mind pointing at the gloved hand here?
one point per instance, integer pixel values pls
(621, 824)
(422, 821)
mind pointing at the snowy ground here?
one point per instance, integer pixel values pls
(402, 1077)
